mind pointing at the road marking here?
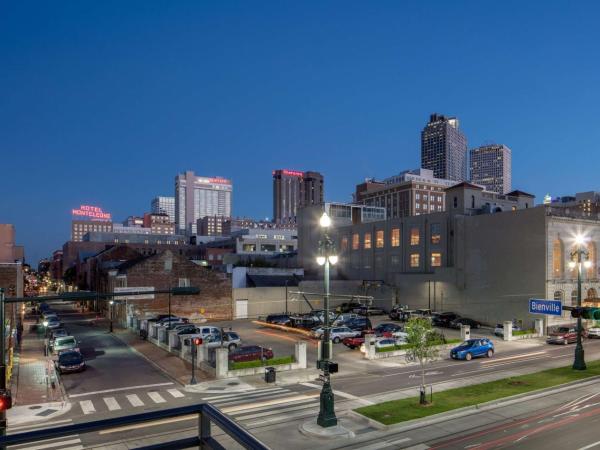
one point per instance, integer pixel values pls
(149, 424)
(134, 400)
(50, 444)
(111, 403)
(301, 404)
(242, 393)
(399, 441)
(106, 391)
(493, 367)
(87, 407)
(156, 397)
(509, 358)
(353, 397)
(231, 409)
(595, 444)
(316, 386)
(175, 393)
(384, 444)
(418, 447)
(39, 424)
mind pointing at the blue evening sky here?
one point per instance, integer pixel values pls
(105, 102)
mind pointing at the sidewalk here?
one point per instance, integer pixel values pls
(172, 365)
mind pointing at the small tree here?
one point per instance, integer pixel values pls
(422, 346)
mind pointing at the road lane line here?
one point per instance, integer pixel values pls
(399, 441)
(134, 400)
(240, 394)
(509, 358)
(316, 386)
(87, 406)
(111, 403)
(51, 444)
(231, 409)
(154, 423)
(156, 397)
(39, 424)
(175, 393)
(106, 391)
(595, 444)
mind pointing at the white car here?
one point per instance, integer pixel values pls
(593, 333)
(384, 343)
(499, 330)
(64, 343)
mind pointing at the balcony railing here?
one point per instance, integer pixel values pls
(206, 415)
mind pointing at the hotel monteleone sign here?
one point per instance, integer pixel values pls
(93, 212)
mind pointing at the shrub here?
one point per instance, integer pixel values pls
(258, 363)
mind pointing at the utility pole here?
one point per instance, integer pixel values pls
(2, 363)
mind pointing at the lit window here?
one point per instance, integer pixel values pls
(355, 241)
(436, 235)
(417, 196)
(379, 239)
(395, 237)
(414, 236)
(436, 260)
(414, 260)
(418, 206)
(367, 240)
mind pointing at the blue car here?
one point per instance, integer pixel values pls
(473, 348)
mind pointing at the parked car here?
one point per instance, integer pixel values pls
(369, 311)
(205, 332)
(342, 319)
(69, 361)
(278, 319)
(593, 332)
(306, 321)
(402, 313)
(473, 348)
(347, 307)
(64, 343)
(444, 319)
(359, 324)
(383, 343)
(499, 330)
(173, 321)
(53, 324)
(56, 333)
(456, 323)
(251, 353)
(337, 334)
(354, 342)
(564, 335)
(187, 329)
(388, 328)
(231, 341)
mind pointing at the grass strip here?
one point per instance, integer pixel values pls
(393, 348)
(397, 411)
(522, 332)
(259, 363)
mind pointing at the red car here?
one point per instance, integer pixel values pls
(251, 353)
(354, 342)
(564, 335)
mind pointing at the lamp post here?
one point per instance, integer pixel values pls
(327, 256)
(579, 258)
(111, 303)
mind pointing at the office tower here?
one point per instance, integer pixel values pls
(293, 190)
(197, 197)
(490, 167)
(164, 205)
(444, 148)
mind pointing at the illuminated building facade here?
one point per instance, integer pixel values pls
(490, 167)
(444, 148)
(164, 205)
(293, 190)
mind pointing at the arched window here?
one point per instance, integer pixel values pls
(592, 294)
(557, 259)
(592, 258)
(558, 295)
(574, 297)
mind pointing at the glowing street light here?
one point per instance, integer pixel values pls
(579, 257)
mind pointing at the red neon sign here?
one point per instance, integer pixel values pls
(219, 180)
(293, 173)
(93, 212)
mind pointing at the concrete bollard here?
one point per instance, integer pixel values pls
(370, 346)
(539, 327)
(173, 340)
(222, 363)
(300, 354)
(508, 330)
(465, 332)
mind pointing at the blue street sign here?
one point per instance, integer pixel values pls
(548, 307)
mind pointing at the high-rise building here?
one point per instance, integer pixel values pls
(293, 190)
(197, 197)
(444, 148)
(164, 205)
(490, 167)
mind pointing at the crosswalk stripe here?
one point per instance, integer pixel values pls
(156, 397)
(175, 393)
(242, 394)
(43, 425)
(233, 401)
(111, 403)
(50, 444)
(271, 402)
(302, 404)
(134, 400)
(87, 406)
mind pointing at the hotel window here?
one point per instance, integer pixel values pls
(414, 236)
(344, 245)
(436, 234)
(418, 206)
(379, 239)
(367, 241)
(418, 196)
(355, 241)
(395, 237)
(436, 260)
(414, 260)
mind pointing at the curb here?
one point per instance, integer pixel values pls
(468, 410)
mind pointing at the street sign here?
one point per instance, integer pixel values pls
(548, 307)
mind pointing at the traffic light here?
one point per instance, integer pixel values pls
(585, 313)
(197, 341)
(5, 400)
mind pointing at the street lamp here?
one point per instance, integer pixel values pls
(111, 303)
(327, 255)
(579, 257)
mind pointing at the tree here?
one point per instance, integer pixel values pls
(423, 344)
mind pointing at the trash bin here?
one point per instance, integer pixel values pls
(270, 375)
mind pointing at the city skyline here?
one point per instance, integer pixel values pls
(126, 124)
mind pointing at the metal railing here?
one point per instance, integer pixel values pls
(206, 413)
